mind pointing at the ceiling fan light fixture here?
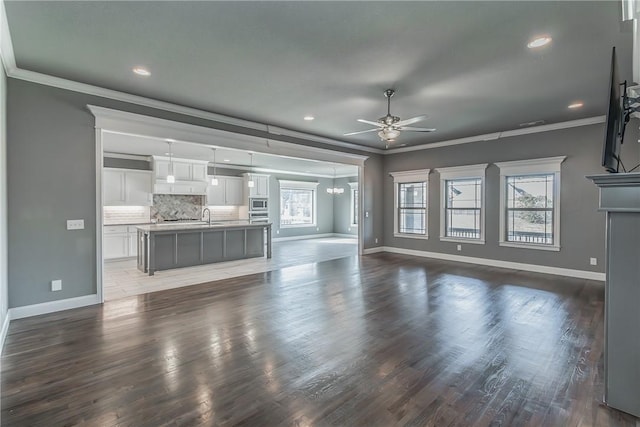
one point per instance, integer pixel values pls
(389, 134)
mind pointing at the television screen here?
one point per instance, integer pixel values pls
(615, 120)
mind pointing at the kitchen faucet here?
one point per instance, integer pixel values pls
(207, 211)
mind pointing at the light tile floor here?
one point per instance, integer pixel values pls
(123, 279)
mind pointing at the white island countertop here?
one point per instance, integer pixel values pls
(168, 226)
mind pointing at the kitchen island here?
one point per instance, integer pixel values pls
(166, 246)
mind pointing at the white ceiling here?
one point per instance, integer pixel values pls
(147, 146)
(464, 64)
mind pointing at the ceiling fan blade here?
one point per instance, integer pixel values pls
(362, 131)
(410, 121)
(369, 122)
(410, 129)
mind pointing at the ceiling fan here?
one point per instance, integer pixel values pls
(389, 127)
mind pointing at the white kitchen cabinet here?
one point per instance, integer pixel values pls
(228, 192)
(133, 243)
(260, 187)
(115, 243)
(126, 187)
(183, 169)
(119, 241)
(215, 193)
(113, 187)
(199, 171)
(180, 188)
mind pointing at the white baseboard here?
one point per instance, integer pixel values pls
(373, 250)
(304, 237)
(3, 332)
(558, 271)
(52, 306)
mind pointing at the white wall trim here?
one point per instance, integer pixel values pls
(499, 135)
(53, 306)
(558, 271)
(5, 330)
(375, 250)
(138, 124)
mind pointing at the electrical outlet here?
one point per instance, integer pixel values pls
(366, 214)
(277, 231)
(317, 228)
(459, 247)
(75, 224)
(56, 285)
(593, 261)
(376, 240)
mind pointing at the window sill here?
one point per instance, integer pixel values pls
(462, 240)
(530, 246)
(298, 226)
(411, 236)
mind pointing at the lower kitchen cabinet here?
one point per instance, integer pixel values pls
(119, 241)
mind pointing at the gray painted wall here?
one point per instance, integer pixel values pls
(3, 199)
(50, 126)
(342, 207)
(582, 226)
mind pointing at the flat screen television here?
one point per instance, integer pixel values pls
(617, 118)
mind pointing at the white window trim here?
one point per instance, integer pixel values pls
(354, 186)
(462, 172)
(546, 165)
(419, 175)
(299, 185)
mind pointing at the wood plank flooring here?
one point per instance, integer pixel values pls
(122, 277)
(380, 340)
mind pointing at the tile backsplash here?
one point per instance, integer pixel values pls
(173, 206)
(114, 215)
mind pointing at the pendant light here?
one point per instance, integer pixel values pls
(250, 183)
(214, 180)
(170, 177)
(335, 190)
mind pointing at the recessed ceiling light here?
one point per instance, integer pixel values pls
(309, 118)
(226, 160)
(539, 42)
(141, 71)
(575, 105)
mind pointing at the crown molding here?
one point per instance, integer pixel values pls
(138, 124)
(6, 45)
(504, 134)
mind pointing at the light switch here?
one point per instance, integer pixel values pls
(56, 285)
(75, 224)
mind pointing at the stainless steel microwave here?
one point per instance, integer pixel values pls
(258, 205)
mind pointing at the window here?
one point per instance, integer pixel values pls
(530, 203)
(354, 204)
(462, 203)
(410, 194)
(297, 204)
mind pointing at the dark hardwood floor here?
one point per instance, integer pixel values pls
(381, 340)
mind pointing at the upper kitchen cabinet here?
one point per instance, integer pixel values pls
(260, 185)
(183, 169)
(228, 192)
(126, 187)
(190, 175)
